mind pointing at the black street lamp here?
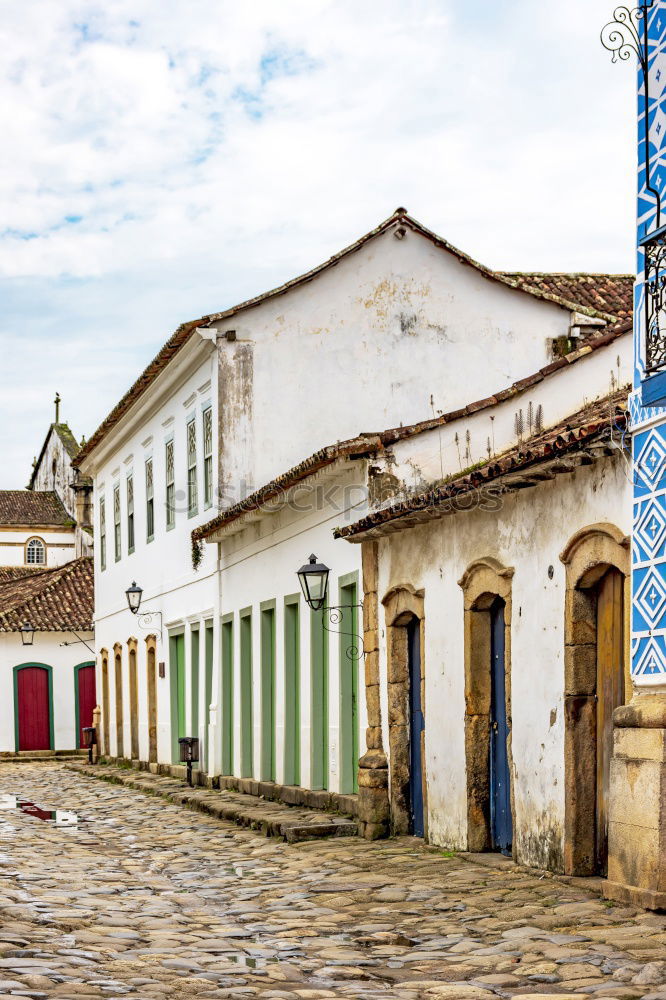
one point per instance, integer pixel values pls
(134, 595)
(27, 633)
(313, 577)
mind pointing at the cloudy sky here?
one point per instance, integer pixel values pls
(165, 159)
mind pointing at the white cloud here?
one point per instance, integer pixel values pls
(164, 159)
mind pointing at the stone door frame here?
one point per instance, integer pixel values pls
(482, 583)
(589, 554)
(401, 604)
(151, 683)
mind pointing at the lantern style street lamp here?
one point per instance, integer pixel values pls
(134, 595)
(27, 633)
(313, 578)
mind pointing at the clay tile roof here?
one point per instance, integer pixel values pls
(607, 294)
(51, 600)
(603, 419)
(32, 507)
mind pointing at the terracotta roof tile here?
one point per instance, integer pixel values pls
(612, 294)
(32, 507)
(51, 600)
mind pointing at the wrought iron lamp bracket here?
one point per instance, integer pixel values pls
(335, 614)
(146, 619)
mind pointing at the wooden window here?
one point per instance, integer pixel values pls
(150, 501)
(35, 552)
(170, 486)
(130, 513)
(102, 533)
(192, 499)
(208, 456)
(116, 521)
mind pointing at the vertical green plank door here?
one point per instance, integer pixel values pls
(246, 693)
(194, 679)
(227, 713)
(208, 687)
(268, 691)
(177, 678)
(349, 654)
(319, 730)
(292, 693)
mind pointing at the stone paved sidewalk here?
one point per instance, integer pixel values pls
(149, 899)
(274, 819)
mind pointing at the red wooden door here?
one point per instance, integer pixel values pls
(34, 728)
(87, 696)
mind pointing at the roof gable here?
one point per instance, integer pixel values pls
(553, 292)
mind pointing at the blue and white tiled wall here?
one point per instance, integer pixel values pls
(648, 625)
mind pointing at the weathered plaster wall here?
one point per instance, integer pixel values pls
(55, 472)
(380, 339)
(528, 534)
(448, 449)
(63, 659)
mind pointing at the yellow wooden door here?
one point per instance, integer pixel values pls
(610, 694)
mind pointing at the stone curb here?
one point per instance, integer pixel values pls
(290, 823)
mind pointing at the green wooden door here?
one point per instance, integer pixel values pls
(268, 691)
(227, 713)
(319, 728)
(208, 687)
(349, 653)
(292, 693)
(177, 677)
(246, 721)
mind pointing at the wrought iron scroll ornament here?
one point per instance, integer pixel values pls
(146, 619)
(335, 615)
(622, 35)
(655, 301)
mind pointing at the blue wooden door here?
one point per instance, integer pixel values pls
(416, 727)
(501, 827)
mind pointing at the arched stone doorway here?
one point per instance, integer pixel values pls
(132, 645)
(118, 679)
(106, 726)
(596, 678)
(486, 586)
(404, 613)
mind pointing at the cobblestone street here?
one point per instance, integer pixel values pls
(149, 899)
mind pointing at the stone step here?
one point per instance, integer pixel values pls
(31, 756)
(274, 819)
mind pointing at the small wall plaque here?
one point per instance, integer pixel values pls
(161, 669)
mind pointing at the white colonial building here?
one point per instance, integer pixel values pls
(255, 433)
(46, 603)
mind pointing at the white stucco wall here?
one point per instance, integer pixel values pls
(60, 545)
(394, 332)
(162, 567)
(260, 564)
(46, 650)
(528, 534)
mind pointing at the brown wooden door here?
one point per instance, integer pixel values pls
(610, 694)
